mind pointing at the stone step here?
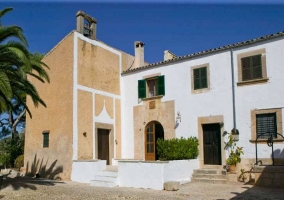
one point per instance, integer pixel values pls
(210, 176)
(209, 171)
(212, 181)
(105, 178)
(98, 183)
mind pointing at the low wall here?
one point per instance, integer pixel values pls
(271, 176)
(84, 170)
(146, 174)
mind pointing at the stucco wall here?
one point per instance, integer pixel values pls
(153, 175)
(98, 68)
(96, 97)
(85, 127)
(57, 117)
(163, 113)
(216, 101)
(84, 171)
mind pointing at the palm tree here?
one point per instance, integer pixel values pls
(16, 63)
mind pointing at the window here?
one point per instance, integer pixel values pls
(45, 135)
(151, 87)
(265, 125)
(251, 68)
(264, 122)
(200, 78)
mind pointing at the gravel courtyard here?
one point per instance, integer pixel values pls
(31, 188)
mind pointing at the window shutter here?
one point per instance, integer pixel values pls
(141, 89)
(251, 68)
(161, 85)
(256, 67)
(196, 78)
(200, 78)
(45, 139)
(203, 77)
(246, 69)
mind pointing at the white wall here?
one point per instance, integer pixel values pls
(153, 175)
(217, 101)
(84, 171)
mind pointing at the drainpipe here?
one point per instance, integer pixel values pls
(233, 90)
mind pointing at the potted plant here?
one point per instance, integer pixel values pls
(235, 153)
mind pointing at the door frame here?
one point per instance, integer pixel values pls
(211, 120)
(111, 140)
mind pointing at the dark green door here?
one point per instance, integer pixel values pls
(212, 144)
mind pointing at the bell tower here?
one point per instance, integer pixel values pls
(86, 25)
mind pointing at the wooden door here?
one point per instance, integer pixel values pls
(103, 145)
(212, 144)
(150, 146)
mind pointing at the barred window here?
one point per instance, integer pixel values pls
(265, 125)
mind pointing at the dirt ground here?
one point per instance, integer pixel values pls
(33, 188)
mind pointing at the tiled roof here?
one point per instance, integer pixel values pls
(222, 48)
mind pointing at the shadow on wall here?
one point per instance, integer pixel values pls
(39, 169)
(268, 184)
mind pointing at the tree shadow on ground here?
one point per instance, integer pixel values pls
(40, 173)
(39, 169)
(27, 182)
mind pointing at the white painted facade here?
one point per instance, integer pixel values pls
(217, 100)
(153, 175)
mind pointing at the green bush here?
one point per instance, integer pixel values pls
(19, 162)
(177, 149)
(5, 159)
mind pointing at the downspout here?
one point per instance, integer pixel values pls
(233, 90)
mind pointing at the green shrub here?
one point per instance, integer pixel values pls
(5, 159)
(177, 149)
(19, 162)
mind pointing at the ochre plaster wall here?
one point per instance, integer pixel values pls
(85, 125)
(100, 102)
(57, 117)
(98, 68)
(164, 113)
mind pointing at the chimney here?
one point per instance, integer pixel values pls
(86, 25)
(139, 54)
(169, 55)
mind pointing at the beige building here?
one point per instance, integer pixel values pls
(82, 120)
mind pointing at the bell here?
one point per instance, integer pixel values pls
(86, 32)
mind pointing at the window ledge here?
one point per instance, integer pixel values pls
(265, 141)
(255, 81)
(150, 98)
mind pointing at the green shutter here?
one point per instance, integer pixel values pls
(45, 139)
(141, 89)
(200, 78)
(161, 85)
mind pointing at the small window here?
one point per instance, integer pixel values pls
(152, 87)
(265, 125)
(45, 135)
(251, 68)
(200, 78)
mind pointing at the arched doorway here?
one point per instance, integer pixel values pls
(153, 131)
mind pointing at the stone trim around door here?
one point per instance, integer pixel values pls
(110, 127)
(210, 120)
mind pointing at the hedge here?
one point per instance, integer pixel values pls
(177, 149)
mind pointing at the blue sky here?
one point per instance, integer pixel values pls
(182, 28)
